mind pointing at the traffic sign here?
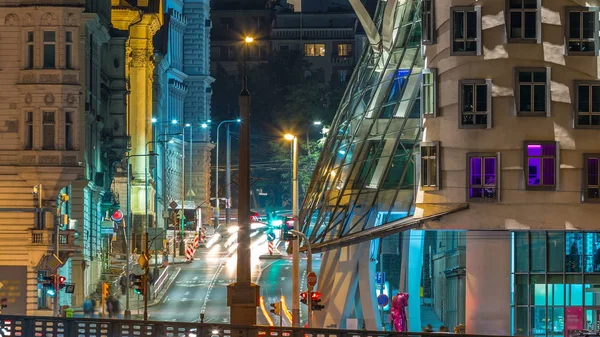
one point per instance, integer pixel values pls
(383, 300)
(173, 204)
(270, 236)
(311, 279)
(380, 278)
(117, 216)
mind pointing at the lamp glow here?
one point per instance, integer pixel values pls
(289, 136)
(317, 123)
(249, 39)
(154, 120)
(174, 121)
(204, 125)
(239, 120)
(187, 125)
(209, 121)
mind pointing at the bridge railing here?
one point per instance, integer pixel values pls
(15, 326)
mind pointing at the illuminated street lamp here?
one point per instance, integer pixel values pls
(296, 242)
(217, 204)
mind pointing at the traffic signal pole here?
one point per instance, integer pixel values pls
(146, 270)
(308, 270)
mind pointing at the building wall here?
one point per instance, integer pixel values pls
(26, 95)
(519, 203)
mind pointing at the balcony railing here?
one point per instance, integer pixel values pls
(43, 237)
(18, 326)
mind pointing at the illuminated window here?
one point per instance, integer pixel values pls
(483, 177)
(343, 49)
(430, 159)
(314, 49)
(541, 165)
(591, 174)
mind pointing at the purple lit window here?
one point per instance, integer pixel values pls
(483, 182)
(592, 177)
(541, 165)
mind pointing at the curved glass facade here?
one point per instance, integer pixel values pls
(365, 176)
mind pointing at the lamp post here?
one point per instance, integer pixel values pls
(295, 248)
(243, 295)
(217, 170)
(128, 230)
(182, 211)
(308, 270)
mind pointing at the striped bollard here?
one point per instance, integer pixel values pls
(270, 247)
(189, 253)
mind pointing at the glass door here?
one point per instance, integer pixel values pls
(592, 318)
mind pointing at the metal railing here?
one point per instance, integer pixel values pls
(14, 326)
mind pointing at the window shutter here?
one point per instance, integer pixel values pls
(438, 179)
(557, 166)
(488, 83)
(538, 23)
(596, 27)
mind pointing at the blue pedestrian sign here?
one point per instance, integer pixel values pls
(383, 300)
(270, 236)
(380, 278)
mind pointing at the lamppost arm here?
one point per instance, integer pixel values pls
(217, 169)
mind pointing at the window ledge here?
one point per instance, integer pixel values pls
(531, 114)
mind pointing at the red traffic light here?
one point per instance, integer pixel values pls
(315, 296)
(303, 297)
(61, 279)
(289, 222)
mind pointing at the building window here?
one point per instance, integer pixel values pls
(466, 31)
(541, 163)
(582, 31)
(587, 104)
(28, 136)
(69, 50)
(343, 75)
(343, 49)
(533, 91)
(314, 49)
(429, 92)
(29, 55)
(523, 20)
(68, 130)
(591, 174)
(49, 49)
(259, 22)
(49, 124)
(428, 21)
(430, 168)
(475, 104)
(483, 177)
(226, 23)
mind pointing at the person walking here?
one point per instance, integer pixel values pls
(88, 309)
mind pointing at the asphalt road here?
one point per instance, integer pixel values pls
(201, 286)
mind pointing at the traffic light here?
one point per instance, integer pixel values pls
(105, 290)
(276, 308)
(139, 284)
(315, 299)
(303, 298)
(287, 226)
(48, 284)
(61, 282)
(3, 304)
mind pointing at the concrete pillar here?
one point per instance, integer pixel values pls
(366, 286)
(415, 268)
(488, 283)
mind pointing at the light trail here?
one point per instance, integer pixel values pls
(264, 311)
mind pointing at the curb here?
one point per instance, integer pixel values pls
(271, 257)
(165, 289)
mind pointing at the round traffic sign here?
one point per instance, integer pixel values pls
(270, 236)
(117, 216)
(311, 279)
(383, 300)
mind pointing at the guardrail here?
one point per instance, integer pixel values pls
(14, 326)
(160, 282)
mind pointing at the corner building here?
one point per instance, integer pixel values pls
(511, 119)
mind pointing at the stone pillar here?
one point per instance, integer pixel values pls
(488, 283)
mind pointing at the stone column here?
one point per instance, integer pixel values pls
(488, 283)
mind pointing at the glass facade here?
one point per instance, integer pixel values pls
(555, 282)
(370, 155)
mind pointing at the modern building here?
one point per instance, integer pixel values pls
(488, 134)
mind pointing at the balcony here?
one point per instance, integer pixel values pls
(45, 237)
(49, 76)
(342, 60)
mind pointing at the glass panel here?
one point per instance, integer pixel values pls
(539, 76)
(521, 290)
(468, 98)
(534, 150)
(588, 25)
(556, 251)
(539, 97)
(49, 57)
(596, 98)
(574, 31)
(592, 289)
(68, 57)
(556, 321)
(515, 25)
(521, 322)
(533, 169)
(573, 247)
(583, 96)
(524, 97)
(548, 174)
(49, 36)
(591, 256)
(592, 321)
(529, 4)
(592, 171)
(556, 290)
(538, 252)
(490, 171)
(524, 76)
(481, 98)
(516, 3)
(574, 290)
(530, 25)
(476, 171)
(538, 321)
(30, 56)
(471, 25)
(521, 252)
(549, 150)
(459, 24)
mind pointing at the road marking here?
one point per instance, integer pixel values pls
(187, 293)
(184, 299)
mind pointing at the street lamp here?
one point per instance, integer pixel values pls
(217, 170)
(242, 296)
(296, 242)
(128, 230)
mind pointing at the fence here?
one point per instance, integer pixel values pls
(14, 326)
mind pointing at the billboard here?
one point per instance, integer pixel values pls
(14, 289)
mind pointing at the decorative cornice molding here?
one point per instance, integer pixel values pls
(140, 58)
